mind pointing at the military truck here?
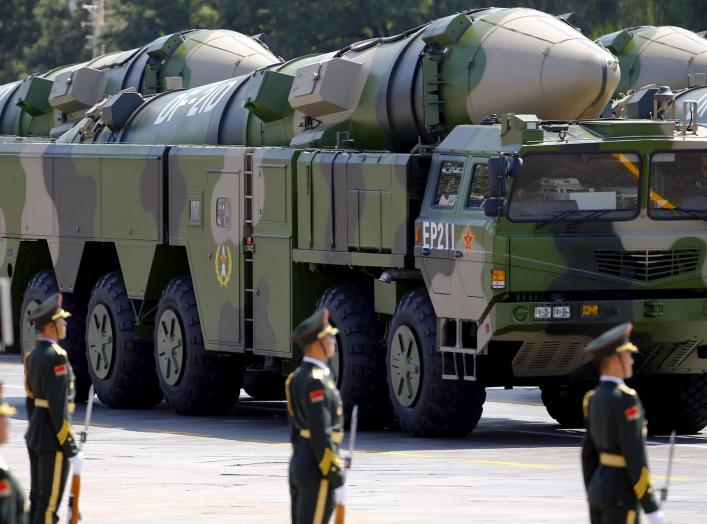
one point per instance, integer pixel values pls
(193, 229)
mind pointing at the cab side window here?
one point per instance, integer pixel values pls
(448, 184)
(479, 187)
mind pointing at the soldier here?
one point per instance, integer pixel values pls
(315, 412)
(614, 449)
(50, 439)
(12, 498)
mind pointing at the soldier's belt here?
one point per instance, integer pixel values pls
(337, 437)
(44, 403)
(612, 460)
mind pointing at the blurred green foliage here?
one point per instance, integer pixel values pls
(37, 35)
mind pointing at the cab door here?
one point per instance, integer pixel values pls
(435, 229)
(470, 244)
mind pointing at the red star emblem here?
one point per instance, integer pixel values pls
(468, 240)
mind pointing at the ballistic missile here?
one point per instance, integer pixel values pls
(658, 56)
(382, 93)
(49, 103)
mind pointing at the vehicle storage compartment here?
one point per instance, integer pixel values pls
(358, 202)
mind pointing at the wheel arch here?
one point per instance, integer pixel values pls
(32, 257)
(168, 263)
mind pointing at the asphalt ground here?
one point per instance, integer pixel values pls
(147, 466)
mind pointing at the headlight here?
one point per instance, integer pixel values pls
(542, 312)
(561, 312)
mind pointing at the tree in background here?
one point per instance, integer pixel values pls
(59, 38)
(37, 35)
(17, 31)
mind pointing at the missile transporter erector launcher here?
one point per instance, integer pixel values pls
(192, 254)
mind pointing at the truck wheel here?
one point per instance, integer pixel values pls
(119, 363)
(564, 403)
(40, 287)
(426, 405)
(194, 381)
(264, 385)
(675, 402)
(359, 364)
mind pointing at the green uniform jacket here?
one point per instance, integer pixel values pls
(12, 499)
(50, 392)
(614, 451)
(316, 417)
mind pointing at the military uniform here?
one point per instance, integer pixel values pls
(49, 384)
(315, 412)
(12, 498)
(614, 459)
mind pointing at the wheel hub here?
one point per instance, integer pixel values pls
(99, 341)
(170, 347)
(405, 370)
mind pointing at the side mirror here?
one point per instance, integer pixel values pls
(6, 335)
(494, 207)
(498, 176)
(515, 164)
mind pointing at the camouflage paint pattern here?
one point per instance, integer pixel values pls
(263, 221)
(659, 56)
(557, 264)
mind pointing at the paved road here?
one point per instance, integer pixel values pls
(517, 466)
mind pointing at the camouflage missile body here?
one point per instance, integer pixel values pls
(387, 93)
(663, 55)
(193, 245)
(42, 104)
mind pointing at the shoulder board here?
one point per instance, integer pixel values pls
(627, 390)
(318, 373)
(59, 350)
(585, 402)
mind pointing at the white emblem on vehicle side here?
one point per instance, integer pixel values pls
(202, 100)
(437, 236)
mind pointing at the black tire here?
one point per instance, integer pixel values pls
(675, 402)
(361, 353)
(40, 287)
(264, 385)
(206, 383)
(441, 408)
(129, 380)
(564, 403)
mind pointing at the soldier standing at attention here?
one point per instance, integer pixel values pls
(50, 439)
(614, 459)
(12, 498)
(316, 416)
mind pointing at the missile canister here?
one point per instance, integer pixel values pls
(389, 93)
(48, 103)
(658, 56)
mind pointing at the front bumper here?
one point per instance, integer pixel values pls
(671, 333)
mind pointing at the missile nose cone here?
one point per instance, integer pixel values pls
(531, 62)
(578, 78)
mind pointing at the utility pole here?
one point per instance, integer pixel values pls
(97, 12)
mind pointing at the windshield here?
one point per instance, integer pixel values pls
(678, 185)
(569, 187)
